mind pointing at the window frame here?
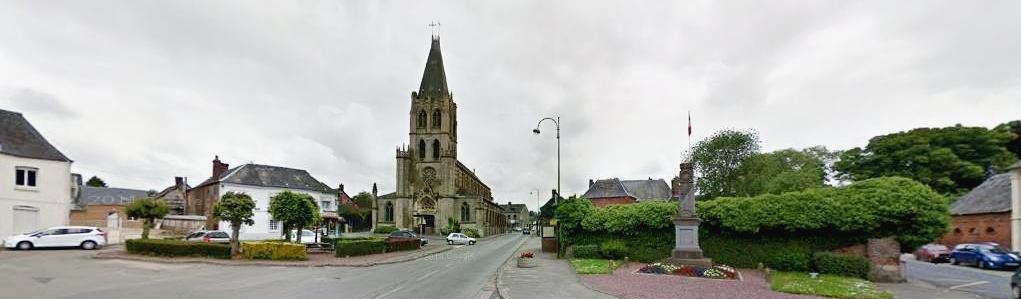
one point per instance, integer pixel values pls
(22, 174)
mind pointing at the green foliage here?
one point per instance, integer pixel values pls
(843, 265)
(630, 219)
(401, 245)
(613, 249)
(296, 210)
(276, 251)
(177, 248)
(586, 251)
(718, 158)
(826, 286)
(147, 209)
(384, 229)
(95, 181)
(646, 246)
(781, 171)
(452, 227)
(359, 213)
(356, 247)
(788, 261)
(1014, 128)
(470, 232)
(950, 160)
(571, 211)
(875, 208)
(594, 266)
(235, 208)
(782, 251)
(363, 200)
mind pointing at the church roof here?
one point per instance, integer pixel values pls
(434, 79)
(19, 138)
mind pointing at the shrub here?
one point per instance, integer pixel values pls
(470, 232)
(401, 245)
(648, 246)
(613, 249)
(631, 219)
(177, 248)
(745, 251)
(571, 211)
(356, 247)
(789, 261)
(385, 229)
(586, 251)
(276, 251)
(843, 265)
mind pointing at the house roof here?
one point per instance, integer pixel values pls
(434, 78)
(639, 189)
(514, 208)
(273, 176)
(992, 196)
(19, 138)
(109, 196)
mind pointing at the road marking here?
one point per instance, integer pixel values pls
(980, 282)
(388, 293)
(427, 275)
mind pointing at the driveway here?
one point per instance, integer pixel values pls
(464, 272)
(986, 283)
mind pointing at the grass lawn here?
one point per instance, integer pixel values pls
(594, 266)
(826, 285)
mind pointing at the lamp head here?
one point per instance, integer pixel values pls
(536, 131)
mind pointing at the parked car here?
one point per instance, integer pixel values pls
(86, 237)
(526, 231)
(402, 235)
(459, 238)
(208, 236)
(307, 236)
(933, 253)
(984, 256)
(517, 229)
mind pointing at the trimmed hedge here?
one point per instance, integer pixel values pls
(647, 246)
(276, 251)
(843, 265)
(401, 245)
(586, 251)
(346, 247)
(177, 248)
(385, 229)
(613, 249)
(470, 232)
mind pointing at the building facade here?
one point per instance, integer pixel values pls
(984, 213)
(517, 215)
(96, 204)
(432, 185)
(35, 178)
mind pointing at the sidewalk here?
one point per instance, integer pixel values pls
(552, 278)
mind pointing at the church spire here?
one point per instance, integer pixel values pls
(434, 79)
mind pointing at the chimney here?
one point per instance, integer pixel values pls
(590, 183)
(341, 188)
(219, 168)
(181, 183)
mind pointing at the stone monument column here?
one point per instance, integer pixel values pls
(686, 248)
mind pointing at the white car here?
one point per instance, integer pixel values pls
(307, 236)
(459, 238)
(209, 236)
(86, 237)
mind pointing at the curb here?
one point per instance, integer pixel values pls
(256, 263)
(499, 274)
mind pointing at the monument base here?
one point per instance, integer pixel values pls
(704, 262)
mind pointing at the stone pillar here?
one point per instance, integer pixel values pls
(686, 248)
(1015, 207)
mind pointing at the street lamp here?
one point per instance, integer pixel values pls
(536, 131)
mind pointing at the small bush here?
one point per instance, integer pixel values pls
(789, 261)
(843, 265)
(470, 232)
(586, 251)
(401, 245)
(177, 248)
(613, 249)
(347, 247)
(276, 251)
(385, 229)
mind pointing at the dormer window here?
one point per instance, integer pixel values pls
(25, 176)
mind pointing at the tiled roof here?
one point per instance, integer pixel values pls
(109, 196)
(639, 189)
(992, 196)
(19, 138)
(434, 78)
(513, 208)
(274, 176)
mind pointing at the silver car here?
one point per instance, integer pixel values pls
(208, 236)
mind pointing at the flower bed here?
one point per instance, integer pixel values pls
(713, 272)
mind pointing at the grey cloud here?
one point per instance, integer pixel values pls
(40, 103)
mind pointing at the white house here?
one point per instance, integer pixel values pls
(35, 178)
(262, 182)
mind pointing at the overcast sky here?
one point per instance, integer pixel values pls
(138, 92)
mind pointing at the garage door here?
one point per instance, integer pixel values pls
(26, 219)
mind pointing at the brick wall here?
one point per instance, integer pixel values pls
(990, 227)
(605, 201)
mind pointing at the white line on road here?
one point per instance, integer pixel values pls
(388, 293)
(427, 275)
(980, 282)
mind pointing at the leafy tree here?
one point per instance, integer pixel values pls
(1014, 145)
(294, 210)
(147, 209)
(359, 213)
(363, 199)
(780, 171)
(950, 160)
(95, 181)
(718, 158)
(235, 208)
(571, 211)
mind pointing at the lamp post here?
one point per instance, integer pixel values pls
(536, 131)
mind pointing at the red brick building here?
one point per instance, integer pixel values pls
(616, 192)
(982, 215)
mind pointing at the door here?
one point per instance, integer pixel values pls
(26, 219)
(50, 238)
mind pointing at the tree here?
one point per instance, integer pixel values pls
(95, 181)
(950, 160)
(147, 209)
(717, 159)
(780, 171)
(1014, 145)
(294, 210)
(360, 212)
(235, 208)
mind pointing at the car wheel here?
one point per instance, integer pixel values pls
(471, 243)
(953, 261)
(88, 245)
(982, 265)
(449, 242)
(25, 245)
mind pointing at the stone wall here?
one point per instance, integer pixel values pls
(990, 227)
(884, 255)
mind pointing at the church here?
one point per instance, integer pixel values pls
(432, 185)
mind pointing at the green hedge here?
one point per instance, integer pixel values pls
(647, 246)
(385, 229)
(843, 265)
(177, 248)
(587, 251)
(276, 251)
(347, 247)
(470, 232)
(613, 249)
(402, 245)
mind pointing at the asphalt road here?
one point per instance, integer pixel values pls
(986, 283)
(464, 272)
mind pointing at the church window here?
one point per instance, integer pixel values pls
(421, 119)
(465, 215)
(421, 149)
(436, 149)
(437, 119)
(388, 212)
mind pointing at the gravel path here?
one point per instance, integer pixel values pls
(624, 283)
